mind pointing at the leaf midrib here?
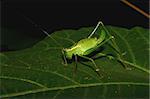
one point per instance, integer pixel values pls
(70, 87)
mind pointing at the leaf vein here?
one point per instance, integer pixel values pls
(71, 87)
(24, 80)
(46, 71)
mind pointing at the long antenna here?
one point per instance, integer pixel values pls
(41, 29)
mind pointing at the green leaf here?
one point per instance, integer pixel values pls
(38, 72)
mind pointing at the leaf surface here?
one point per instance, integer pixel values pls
(38, 72)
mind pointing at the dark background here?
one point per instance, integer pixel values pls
(52, 15)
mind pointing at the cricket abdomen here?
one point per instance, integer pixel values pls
(86, 44)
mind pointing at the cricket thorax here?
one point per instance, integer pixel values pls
(80, 47)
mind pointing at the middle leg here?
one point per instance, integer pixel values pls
(96, 67)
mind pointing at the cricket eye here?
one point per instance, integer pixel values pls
(112, 37)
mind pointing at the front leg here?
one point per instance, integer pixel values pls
(75, 68)
(64, 58)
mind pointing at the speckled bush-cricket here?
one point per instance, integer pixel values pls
(86, 46)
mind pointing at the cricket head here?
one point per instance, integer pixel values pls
(67, 53)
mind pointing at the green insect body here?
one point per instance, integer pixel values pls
(88, 45)
(84, 46)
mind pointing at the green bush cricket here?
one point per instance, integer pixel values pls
(85, 46)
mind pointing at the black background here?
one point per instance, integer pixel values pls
(55, 15)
